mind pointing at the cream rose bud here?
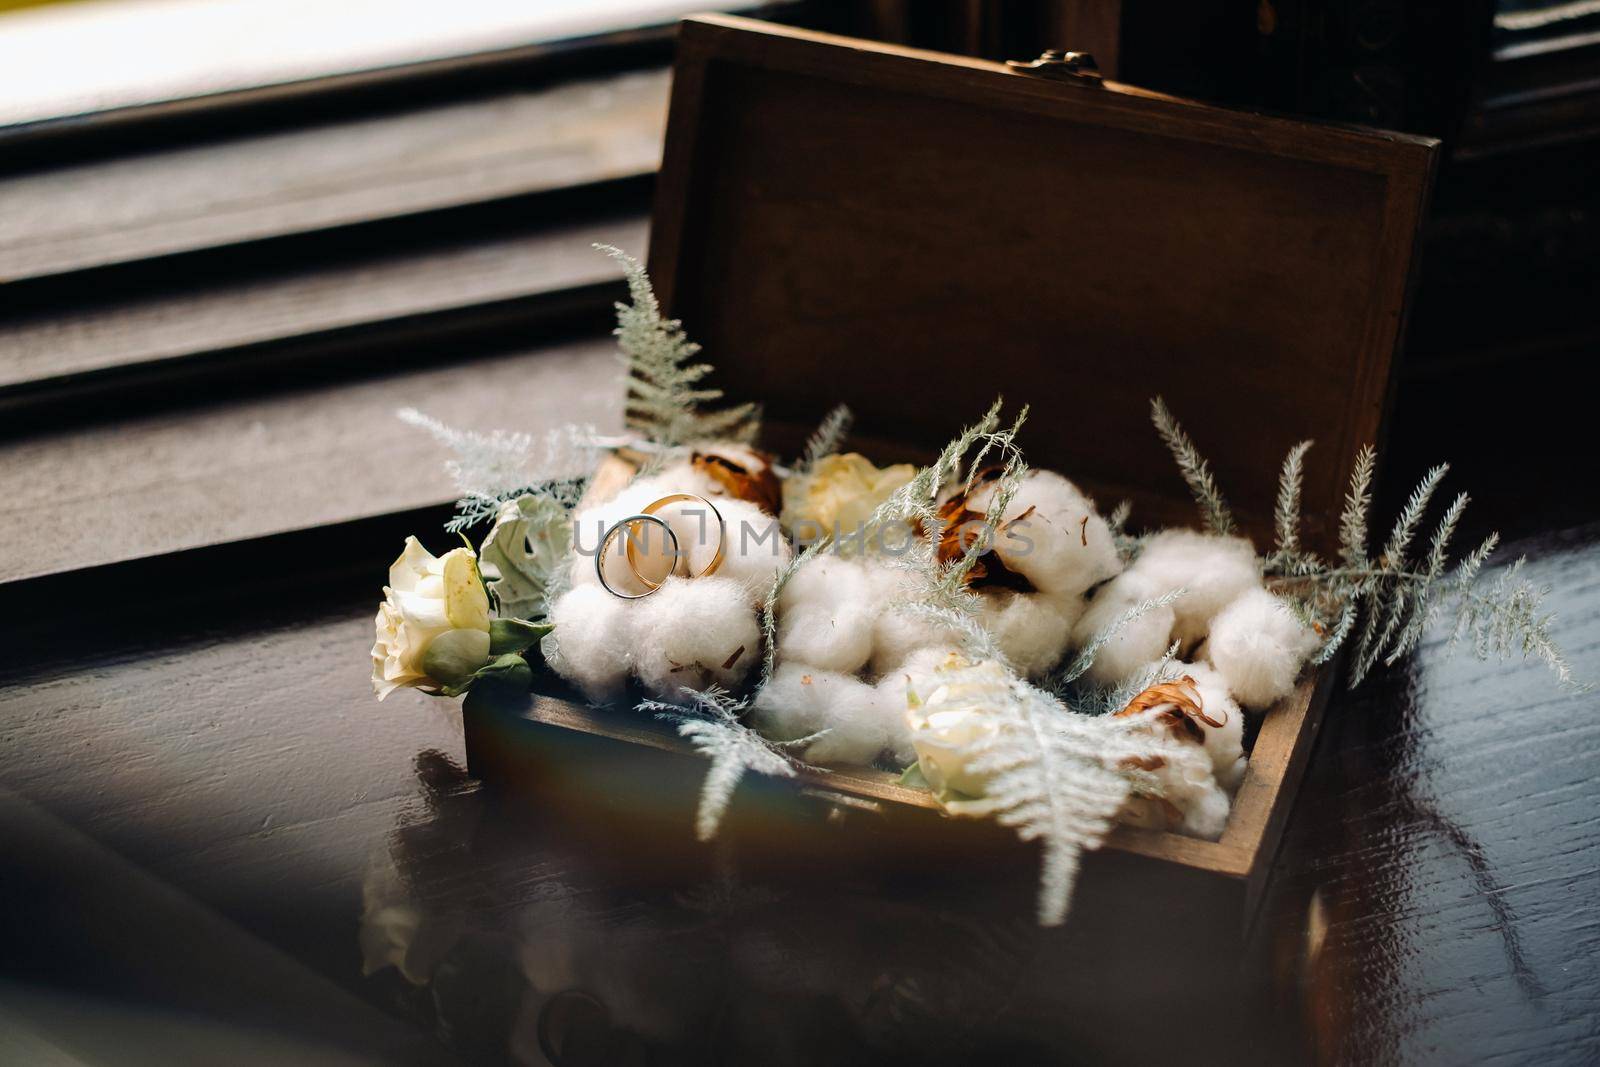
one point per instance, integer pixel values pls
(433, 625)
(840, 493)
(951, 710)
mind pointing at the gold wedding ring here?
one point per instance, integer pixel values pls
(611, 535)
(650, 512)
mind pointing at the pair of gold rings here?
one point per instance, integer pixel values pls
(630, 546)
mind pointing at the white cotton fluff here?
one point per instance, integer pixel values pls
(693, 634)
(1191, 803)
(1259, 645)
(754, 552)
(1139, 643)
(801, 700)
(1212, 570)
(898, 632)
(1223, 743)
(1032, 630)
(826, 615)
(1052, 535)
(593, 647)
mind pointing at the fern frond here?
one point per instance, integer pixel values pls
(1110, 699)
(1357, 505)
(663, 402)
(492, 468)
(1049, 775)
(711, 725)
(1128, 545)
(1196, 472)
(1337, 635)
(942, 595)
(1405, 527)
(827, 438)
(1467, 570)
(1085, 658)
(1508, 619)
(1286, 515)
(1439, 546)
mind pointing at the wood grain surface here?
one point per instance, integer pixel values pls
(296, 304)
(250, 187)
(1434, 901)
(304, 457)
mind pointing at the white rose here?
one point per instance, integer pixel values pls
(839, 494)
(433, 626)
(950, 711)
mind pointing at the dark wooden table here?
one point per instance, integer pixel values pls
(213, 832)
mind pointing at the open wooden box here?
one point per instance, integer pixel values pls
(841, 221)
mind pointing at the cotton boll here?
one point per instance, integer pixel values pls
(822, 579)
(1223, 743)
(1259, 646)
(1032, 630)
(738, 471)
(1137, 644)
(1191, 801)
(799, 700)
(1211, 570)
(755, 549)
(693, 633)
(897, 634)
(826, 613)
(594, 641)
(837, 638)
(1052, 535)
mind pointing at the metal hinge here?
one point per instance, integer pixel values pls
(1076, 67)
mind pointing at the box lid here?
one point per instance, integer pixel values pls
(913, 233)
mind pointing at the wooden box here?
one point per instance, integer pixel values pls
(841, 221)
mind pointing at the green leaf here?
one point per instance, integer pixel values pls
(912, 778)
(510, 671)
(455, 656)
(515, 635)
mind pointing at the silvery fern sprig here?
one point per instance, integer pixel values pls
(827, 438)
(491, 468)
(1128, 545)
(666, 401)
(1051, 773)
(943, 596)
(1196, 472)
(1065, 677)
(710, 722)
(1384, 603)
(1110, 699)
(1051, 776)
